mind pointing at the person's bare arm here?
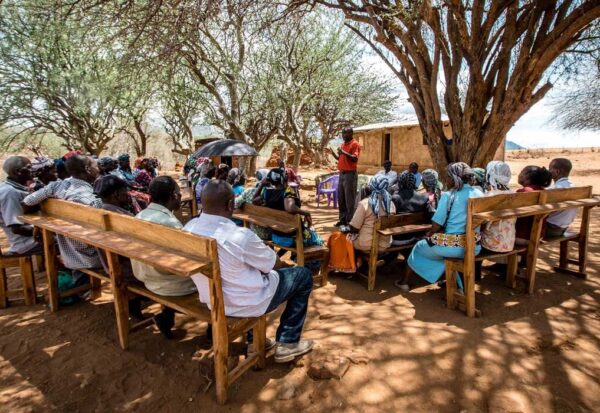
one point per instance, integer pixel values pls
(435, 228)
(292, 208)
(280, 264)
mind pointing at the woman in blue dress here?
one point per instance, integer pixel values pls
(446, 239)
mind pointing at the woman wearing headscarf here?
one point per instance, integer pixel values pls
(498, 236)
(433, 188)
(274, 192)
(44, 172)
(531, 178)
(106, 165)
(143, 175)
(376, 202)
(446, 239)
(237, 180)
(406, 198)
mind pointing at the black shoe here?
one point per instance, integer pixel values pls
(135, 309)
(164, 324)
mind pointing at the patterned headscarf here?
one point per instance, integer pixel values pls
(261, 174)
(479, 174)
(39, 163)
(459, 172)
(430, 178)
(379, 185)
(235, 176)
(498, 175)
(407, 180)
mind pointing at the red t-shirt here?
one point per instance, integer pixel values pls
(344, 163)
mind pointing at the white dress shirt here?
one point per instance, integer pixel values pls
(248, 279)
(563, 218)
(11, 195)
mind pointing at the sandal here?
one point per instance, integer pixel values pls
(403, 287)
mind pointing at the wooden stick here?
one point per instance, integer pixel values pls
(469, 263)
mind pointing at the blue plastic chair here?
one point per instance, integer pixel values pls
(328, 187)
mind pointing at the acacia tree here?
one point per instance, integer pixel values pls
(488, 59)
(55, 78)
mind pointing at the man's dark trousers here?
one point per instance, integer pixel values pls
(347, 195)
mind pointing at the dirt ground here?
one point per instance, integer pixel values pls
(530, 353)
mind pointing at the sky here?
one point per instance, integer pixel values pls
(533, 130)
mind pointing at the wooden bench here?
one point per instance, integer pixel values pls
(538, 204)
(400, 224)
(172, 250)
(25, 265)
(289, 224)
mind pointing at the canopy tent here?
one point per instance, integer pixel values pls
(225, 147)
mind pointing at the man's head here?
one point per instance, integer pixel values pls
(61, 169)
(560, 168)
(218, 198)
(387, 165)
(165, 191)
(18, 169)
(124, 161)
(82, 167)
(347, 134)
(113, 190)
(413, 168)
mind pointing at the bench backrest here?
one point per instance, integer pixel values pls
(289, 223)
(399, 220)
(157, 235)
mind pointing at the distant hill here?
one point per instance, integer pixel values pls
(511, 146)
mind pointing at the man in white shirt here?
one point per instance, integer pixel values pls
(253, 278)
(558, 222)
(391, 175)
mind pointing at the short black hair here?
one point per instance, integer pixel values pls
(563, 165)
(76, 164)
(108, 185)
(348, 130)
(161, 189)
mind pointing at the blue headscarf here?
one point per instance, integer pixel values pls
(379, 185)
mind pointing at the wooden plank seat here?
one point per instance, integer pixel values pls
(538, 204)
(179, 252)
(25, 265)
(290, 224)
(399, 224)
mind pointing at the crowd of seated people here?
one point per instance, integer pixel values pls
(449, 214)
(255, 281)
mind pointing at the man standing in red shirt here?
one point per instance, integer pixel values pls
(347, 157)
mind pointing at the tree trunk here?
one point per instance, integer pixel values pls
(297, 156)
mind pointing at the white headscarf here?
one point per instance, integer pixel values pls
(498, 175)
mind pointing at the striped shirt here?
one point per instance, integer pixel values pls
(74, 254)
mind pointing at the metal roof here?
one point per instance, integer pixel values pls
(409, 121)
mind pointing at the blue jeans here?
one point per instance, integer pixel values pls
(294, 288)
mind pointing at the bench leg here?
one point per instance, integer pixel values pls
(450, 285)
(564, 254)
(221, 353)
(3, 288)
(325, 270)
(512, 267)
(120, 298)
(51, 271)
(582, 252)
(469, 281)
(372, 272)
(532, 251)
(28, 280)
(96, 287)
(260, 335)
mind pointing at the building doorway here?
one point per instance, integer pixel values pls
(387, 147)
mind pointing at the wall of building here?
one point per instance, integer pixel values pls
(406, 147)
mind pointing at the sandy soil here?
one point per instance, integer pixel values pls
(527, 353)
